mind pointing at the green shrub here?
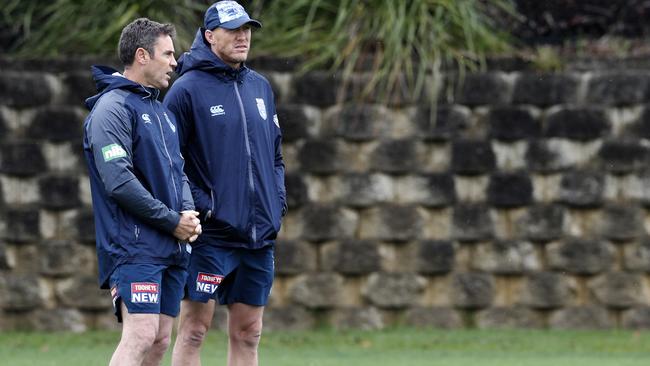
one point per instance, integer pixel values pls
(399, 43)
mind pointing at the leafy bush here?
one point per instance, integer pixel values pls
(89, 27)
(399, 43)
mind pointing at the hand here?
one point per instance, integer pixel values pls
(189, 227)
(197, 232)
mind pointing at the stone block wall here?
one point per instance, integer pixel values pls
(524, 203)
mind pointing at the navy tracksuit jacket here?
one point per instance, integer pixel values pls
(230, 137)
(136, 175)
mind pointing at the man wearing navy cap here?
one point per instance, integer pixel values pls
(230, 137)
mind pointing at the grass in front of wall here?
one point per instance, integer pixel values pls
(403, 346)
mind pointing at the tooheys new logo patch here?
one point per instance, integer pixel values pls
(207, 282)
(144, 293)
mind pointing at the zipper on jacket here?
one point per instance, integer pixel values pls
(169, 157)
(212, 201)
(248, 155)
(136, 231)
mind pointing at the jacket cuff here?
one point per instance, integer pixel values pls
(171, 221)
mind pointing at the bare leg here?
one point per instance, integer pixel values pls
(138, 335)
(160, 345)
(244, 332)
(195, 320)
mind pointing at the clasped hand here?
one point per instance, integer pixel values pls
(189, 228)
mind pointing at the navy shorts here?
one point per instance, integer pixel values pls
(147, 289)
(230, 274)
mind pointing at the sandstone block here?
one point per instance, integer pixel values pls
(395, 157)
(79, 85)
(358, 319)
(85, 226)
(581, 256)
(433, 317)
(316, 88)
(546, 89)
(450, 122)
(637, 318)
(51, 320)
(21, 159)
(317, 291)
(620, 157)
(512, 124)
(542, 223)
(321, 157)
(57, 258)
(548, 290)
(294, 257)
(393, 290)
(484, 88)
(435, 257)
(328, 222)
(507, 257)
(294, 122)
(582, 189)
(472, 222)
(83, 292)
(472, 157)
(430, 190)
(290, 318)
(59, 192)
(637, 256)
(24, 224)
(618, 88)
(21, 292)
(360, 122)
(297, 192)
(392, 223)
(619, 289)
(580, 318)
(509, 190)
(622, 222)
(363, 190)
(508, 318)
(20, 90)
(472, 290)
(582, 124)
(352, 257)
(57, 124)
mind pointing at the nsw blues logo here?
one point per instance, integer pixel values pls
(207, 282)
(169, 122)
(261, 107)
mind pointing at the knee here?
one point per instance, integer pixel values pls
(142, 341)
(162, 342)
(247, 335)
(193, 333)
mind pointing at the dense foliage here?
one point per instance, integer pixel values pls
(400, 43)
(33, 28)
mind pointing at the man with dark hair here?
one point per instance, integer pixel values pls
(144, 212)
(230, 135)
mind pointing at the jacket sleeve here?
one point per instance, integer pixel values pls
(178, 102)
(188, 201)
(110, 139)
(279, 163)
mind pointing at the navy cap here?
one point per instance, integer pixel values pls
(228, 15)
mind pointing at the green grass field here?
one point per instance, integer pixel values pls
(387, 347)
